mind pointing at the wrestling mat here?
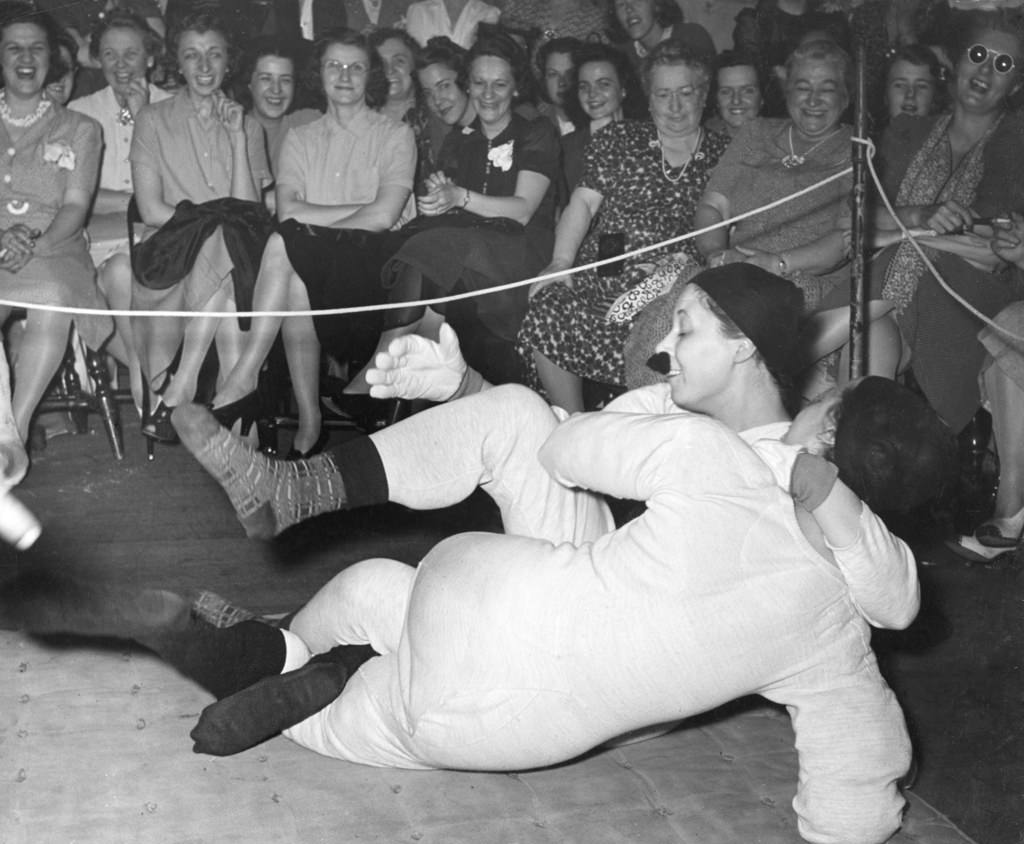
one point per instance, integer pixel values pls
(94, 749)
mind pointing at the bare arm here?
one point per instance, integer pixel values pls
(713, 208)
(572, 227)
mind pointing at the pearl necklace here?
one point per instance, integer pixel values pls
(666, 168)
(793, 160)
(22, 122)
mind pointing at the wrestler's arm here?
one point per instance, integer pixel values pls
(879, 568)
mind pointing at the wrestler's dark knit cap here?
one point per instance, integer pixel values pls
(764, 306)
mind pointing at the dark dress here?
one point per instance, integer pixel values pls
(622, 163)
(464, 250)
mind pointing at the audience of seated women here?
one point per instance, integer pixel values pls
(342, 182)
(738, 97)
(49, 173)
(488, 213)
(442, 70)
(772, 29)
(945, 174)
(640, 186)
(641, 24)
(913, 80)
(269, 89)
(198, 166)
(606, 91)
(771, 158)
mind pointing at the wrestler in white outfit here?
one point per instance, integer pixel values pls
(504, 652)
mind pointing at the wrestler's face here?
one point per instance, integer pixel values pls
(702, 356)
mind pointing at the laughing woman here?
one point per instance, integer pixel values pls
(198, 165)
(48, 175)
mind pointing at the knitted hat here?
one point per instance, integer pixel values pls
(764, 306)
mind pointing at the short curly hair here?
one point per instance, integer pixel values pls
(152, 43)
(891, 447)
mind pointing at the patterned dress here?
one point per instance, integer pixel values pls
(647, 205)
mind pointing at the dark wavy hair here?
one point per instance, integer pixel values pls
(556, 46)
(261, 47)
(202, 22)
(496, 42)
(152, 43)
(666, 13)
(891, 447)
(376, 38)
(443, 51)
(15, 12)
(376, 81)
(634, 106)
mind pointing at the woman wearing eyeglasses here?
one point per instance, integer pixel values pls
(947, 175)
(343, 181)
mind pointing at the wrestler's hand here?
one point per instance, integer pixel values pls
(812, 480)
(414, 367)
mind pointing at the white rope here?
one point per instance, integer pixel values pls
(908, 235)
(386, 306)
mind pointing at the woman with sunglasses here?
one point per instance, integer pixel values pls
(948, 175)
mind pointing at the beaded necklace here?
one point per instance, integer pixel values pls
(22, 122)
(696, 155)
(793, 160)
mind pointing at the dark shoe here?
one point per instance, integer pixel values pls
(246, 409)
(156, 424)
(274, 704)
(316, 448)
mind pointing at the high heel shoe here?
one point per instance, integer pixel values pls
(156, 424)
(246, 409)
(1002, 533)
(316, 448)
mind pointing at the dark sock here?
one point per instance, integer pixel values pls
(274, 704)
(362, 470)
(222, 660)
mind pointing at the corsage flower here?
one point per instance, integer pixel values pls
(467, 130)
(60, 154)
(501, 156)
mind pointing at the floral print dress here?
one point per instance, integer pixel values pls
(647, 202)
